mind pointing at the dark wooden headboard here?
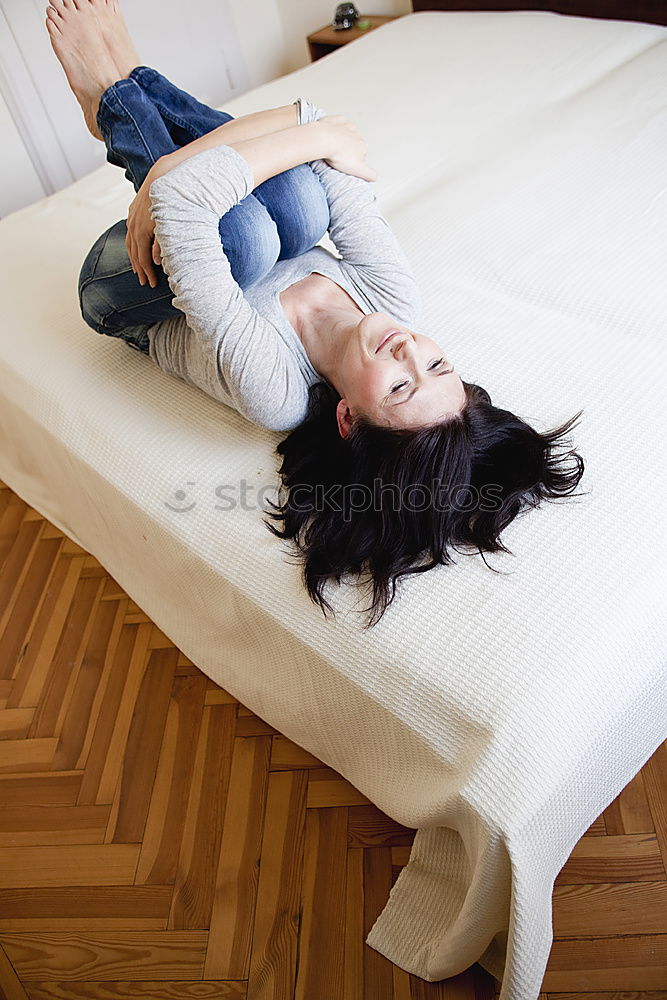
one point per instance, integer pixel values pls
(652, 11)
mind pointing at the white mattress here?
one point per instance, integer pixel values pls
(522, 161)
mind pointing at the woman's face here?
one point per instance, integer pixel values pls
(395, 377)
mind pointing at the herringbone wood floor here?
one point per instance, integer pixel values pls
(158, 840)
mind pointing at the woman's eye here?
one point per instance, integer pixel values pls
(436, 363)
(401, 385)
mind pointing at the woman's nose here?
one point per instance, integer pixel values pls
(404, 347)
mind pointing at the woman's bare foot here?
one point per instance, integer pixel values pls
(115, 34)
(78, 43)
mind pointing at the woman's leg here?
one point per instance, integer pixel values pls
(111, 299)
(184, 116)
(140, 119)
(139, 124)
(96, 53)
(295, 199)
(296, 203)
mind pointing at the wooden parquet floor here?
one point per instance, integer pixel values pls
(158, 840)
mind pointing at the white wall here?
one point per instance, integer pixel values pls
(20, 183)
(260, 31)
(198, 49)
(213, 48)
(273, 32)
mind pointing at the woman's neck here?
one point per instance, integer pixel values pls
(324, 317)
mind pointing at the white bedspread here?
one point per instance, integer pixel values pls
(522, 160)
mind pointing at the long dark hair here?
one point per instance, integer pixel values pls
(332, 497)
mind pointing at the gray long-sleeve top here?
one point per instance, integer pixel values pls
(239, 347)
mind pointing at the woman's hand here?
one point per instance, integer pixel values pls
(348, 147)
(142, 247)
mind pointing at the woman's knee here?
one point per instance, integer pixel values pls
(297, 203)
(101, 260)
(110, 297)
(250, 241)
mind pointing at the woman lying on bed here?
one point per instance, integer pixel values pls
(392, 457)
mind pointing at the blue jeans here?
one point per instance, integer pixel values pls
(141, 119)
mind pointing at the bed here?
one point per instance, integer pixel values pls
(521, 160)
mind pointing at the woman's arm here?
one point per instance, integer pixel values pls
(268, 155)
(265, 155)
(237, 130)
(334, 138)
(227, 348)
(362, 235)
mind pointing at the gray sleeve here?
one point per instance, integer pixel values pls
(363, 236)
(226, 348)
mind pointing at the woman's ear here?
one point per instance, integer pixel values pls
(344, 418)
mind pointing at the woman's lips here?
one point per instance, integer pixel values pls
(385, 338)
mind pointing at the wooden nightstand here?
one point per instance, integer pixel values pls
(324, 41)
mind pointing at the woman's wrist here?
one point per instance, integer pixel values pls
(272, 154)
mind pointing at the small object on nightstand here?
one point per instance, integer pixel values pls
(345, 17)
(329, 38)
